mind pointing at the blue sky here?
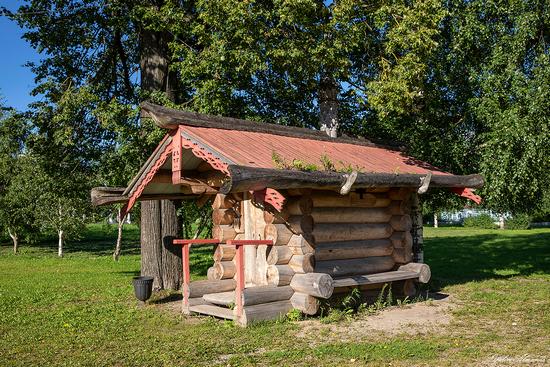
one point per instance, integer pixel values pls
(16, 80)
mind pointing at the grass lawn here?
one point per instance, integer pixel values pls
(80, 310)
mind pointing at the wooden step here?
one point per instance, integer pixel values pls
(379, 278)
(223, 298)
(212, 310)
(251, 296)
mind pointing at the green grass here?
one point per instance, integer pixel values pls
(80, 310)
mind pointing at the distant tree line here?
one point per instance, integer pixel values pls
(464, 85)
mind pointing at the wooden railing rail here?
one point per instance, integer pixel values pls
(239, 264)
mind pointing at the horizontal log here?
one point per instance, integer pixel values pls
(201, 287)
(300, 245)
(369, 265)
(224, 270)
(314, 284)
(353, 249)
(223, 216)
(301, 205)
(223, 232)
(244, 178)
(351, 215)
(264, 312)
(224, 252)
(266, 294)
(327, 199)
(279, 255)
(401, 239)
(210, 273)
(332, 232)
(301, 224)
(279, 275)
(305, 303)
(115, 195)
(401, 222)
(402, 255)
(399, 193)
(222, 201)
(252, 296)
(275, 218)
(423, 270)
(302, 263)
(280, 234)
(399, 207)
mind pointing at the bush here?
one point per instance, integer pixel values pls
(520, 221)
(480, 221)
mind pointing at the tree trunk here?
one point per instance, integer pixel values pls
(15, 239)
(120, 226)
(328, 104)
(60, 243)
(501, 222)
(151, 242)
(436, 223)
(159, 224)
(171, 269)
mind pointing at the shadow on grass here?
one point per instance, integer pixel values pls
(459, 259)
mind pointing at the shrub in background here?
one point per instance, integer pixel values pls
(519, 221)
(480, 221)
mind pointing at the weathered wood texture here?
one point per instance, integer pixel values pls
(264, 311)
(201, 287)
(314, 284)
(353, 249)
(279, 255)
(279, 274)
(252, 296)
(300, 245)
(224, 269)
(368, 265)
(224, 252)
(416, 230)
(305, 303)
(302, 263)
(423, 271)
(351, 215)
(332, 232)
(244, 178)
(280, 234)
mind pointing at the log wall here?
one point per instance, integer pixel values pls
(319, 235)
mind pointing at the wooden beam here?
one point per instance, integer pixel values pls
(244, 178)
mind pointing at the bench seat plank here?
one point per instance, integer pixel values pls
(379, 278)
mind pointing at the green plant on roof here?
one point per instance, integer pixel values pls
(327, 163)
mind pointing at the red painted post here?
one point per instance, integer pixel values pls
(239, 263)
(186, 274)
(185, 244)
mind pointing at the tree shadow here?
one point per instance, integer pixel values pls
(460, 259)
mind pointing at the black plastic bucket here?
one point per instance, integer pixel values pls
(143, 287)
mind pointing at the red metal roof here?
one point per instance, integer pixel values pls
(255, 149)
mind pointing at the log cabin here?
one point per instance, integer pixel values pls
(298, 216)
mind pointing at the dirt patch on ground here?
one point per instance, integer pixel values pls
(418, 318)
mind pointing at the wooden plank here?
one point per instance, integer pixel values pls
(223, 298)
(211, 310)
(379, 278)
(252, 296)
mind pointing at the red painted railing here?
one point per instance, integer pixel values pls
(239, 264)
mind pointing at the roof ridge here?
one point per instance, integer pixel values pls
(170, 118)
